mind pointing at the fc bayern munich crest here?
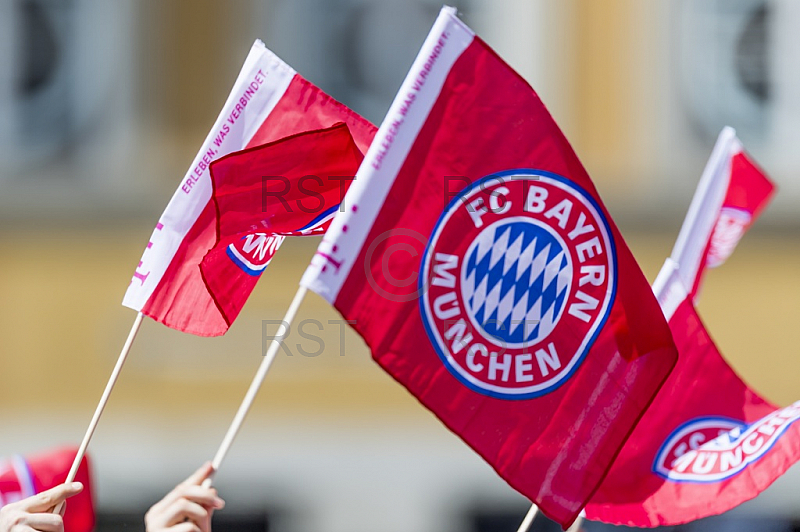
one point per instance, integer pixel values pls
(520, 276)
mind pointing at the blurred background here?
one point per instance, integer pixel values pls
(102, 108)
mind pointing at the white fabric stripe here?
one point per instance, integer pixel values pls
(24, 478)
(386, 155)
(669, 289)
(705, 208)
(192, 196)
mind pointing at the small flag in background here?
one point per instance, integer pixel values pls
(23, 477)
(731, 194)
(478, 263)
(290, 187)
(708, 442)
(269, 101)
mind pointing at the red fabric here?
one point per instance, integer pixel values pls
(702, 398)
(181, 299)
(749, 191)
(556, 447)
(48, 470)
(702, 387)
(308, 173)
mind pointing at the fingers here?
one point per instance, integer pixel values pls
(45, 522)
(186, 527)
(200, 475)
(204, 496)
(184, 509)
(196, 504)
(46, 500)
(14, 519)
(187, 508)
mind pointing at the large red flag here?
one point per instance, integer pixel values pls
(23, 477)
(290, 187)
(269, 101)
(708, 442)
(475, 258)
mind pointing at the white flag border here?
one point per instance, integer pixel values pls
(386, 155)
(695, 233)
(184, 207)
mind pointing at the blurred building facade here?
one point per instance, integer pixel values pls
(102, 107)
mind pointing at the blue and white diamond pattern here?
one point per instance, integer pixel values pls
(515, 280)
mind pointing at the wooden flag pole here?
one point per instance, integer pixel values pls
(112, 380)
(576, 526)
(261, 374)
(529, 517)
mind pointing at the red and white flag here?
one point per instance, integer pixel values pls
(269, 101)
(475, 258)
(22, 477)
(708, 442)
(732, 192)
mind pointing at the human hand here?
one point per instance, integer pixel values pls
(35, 513)
(187, 508)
